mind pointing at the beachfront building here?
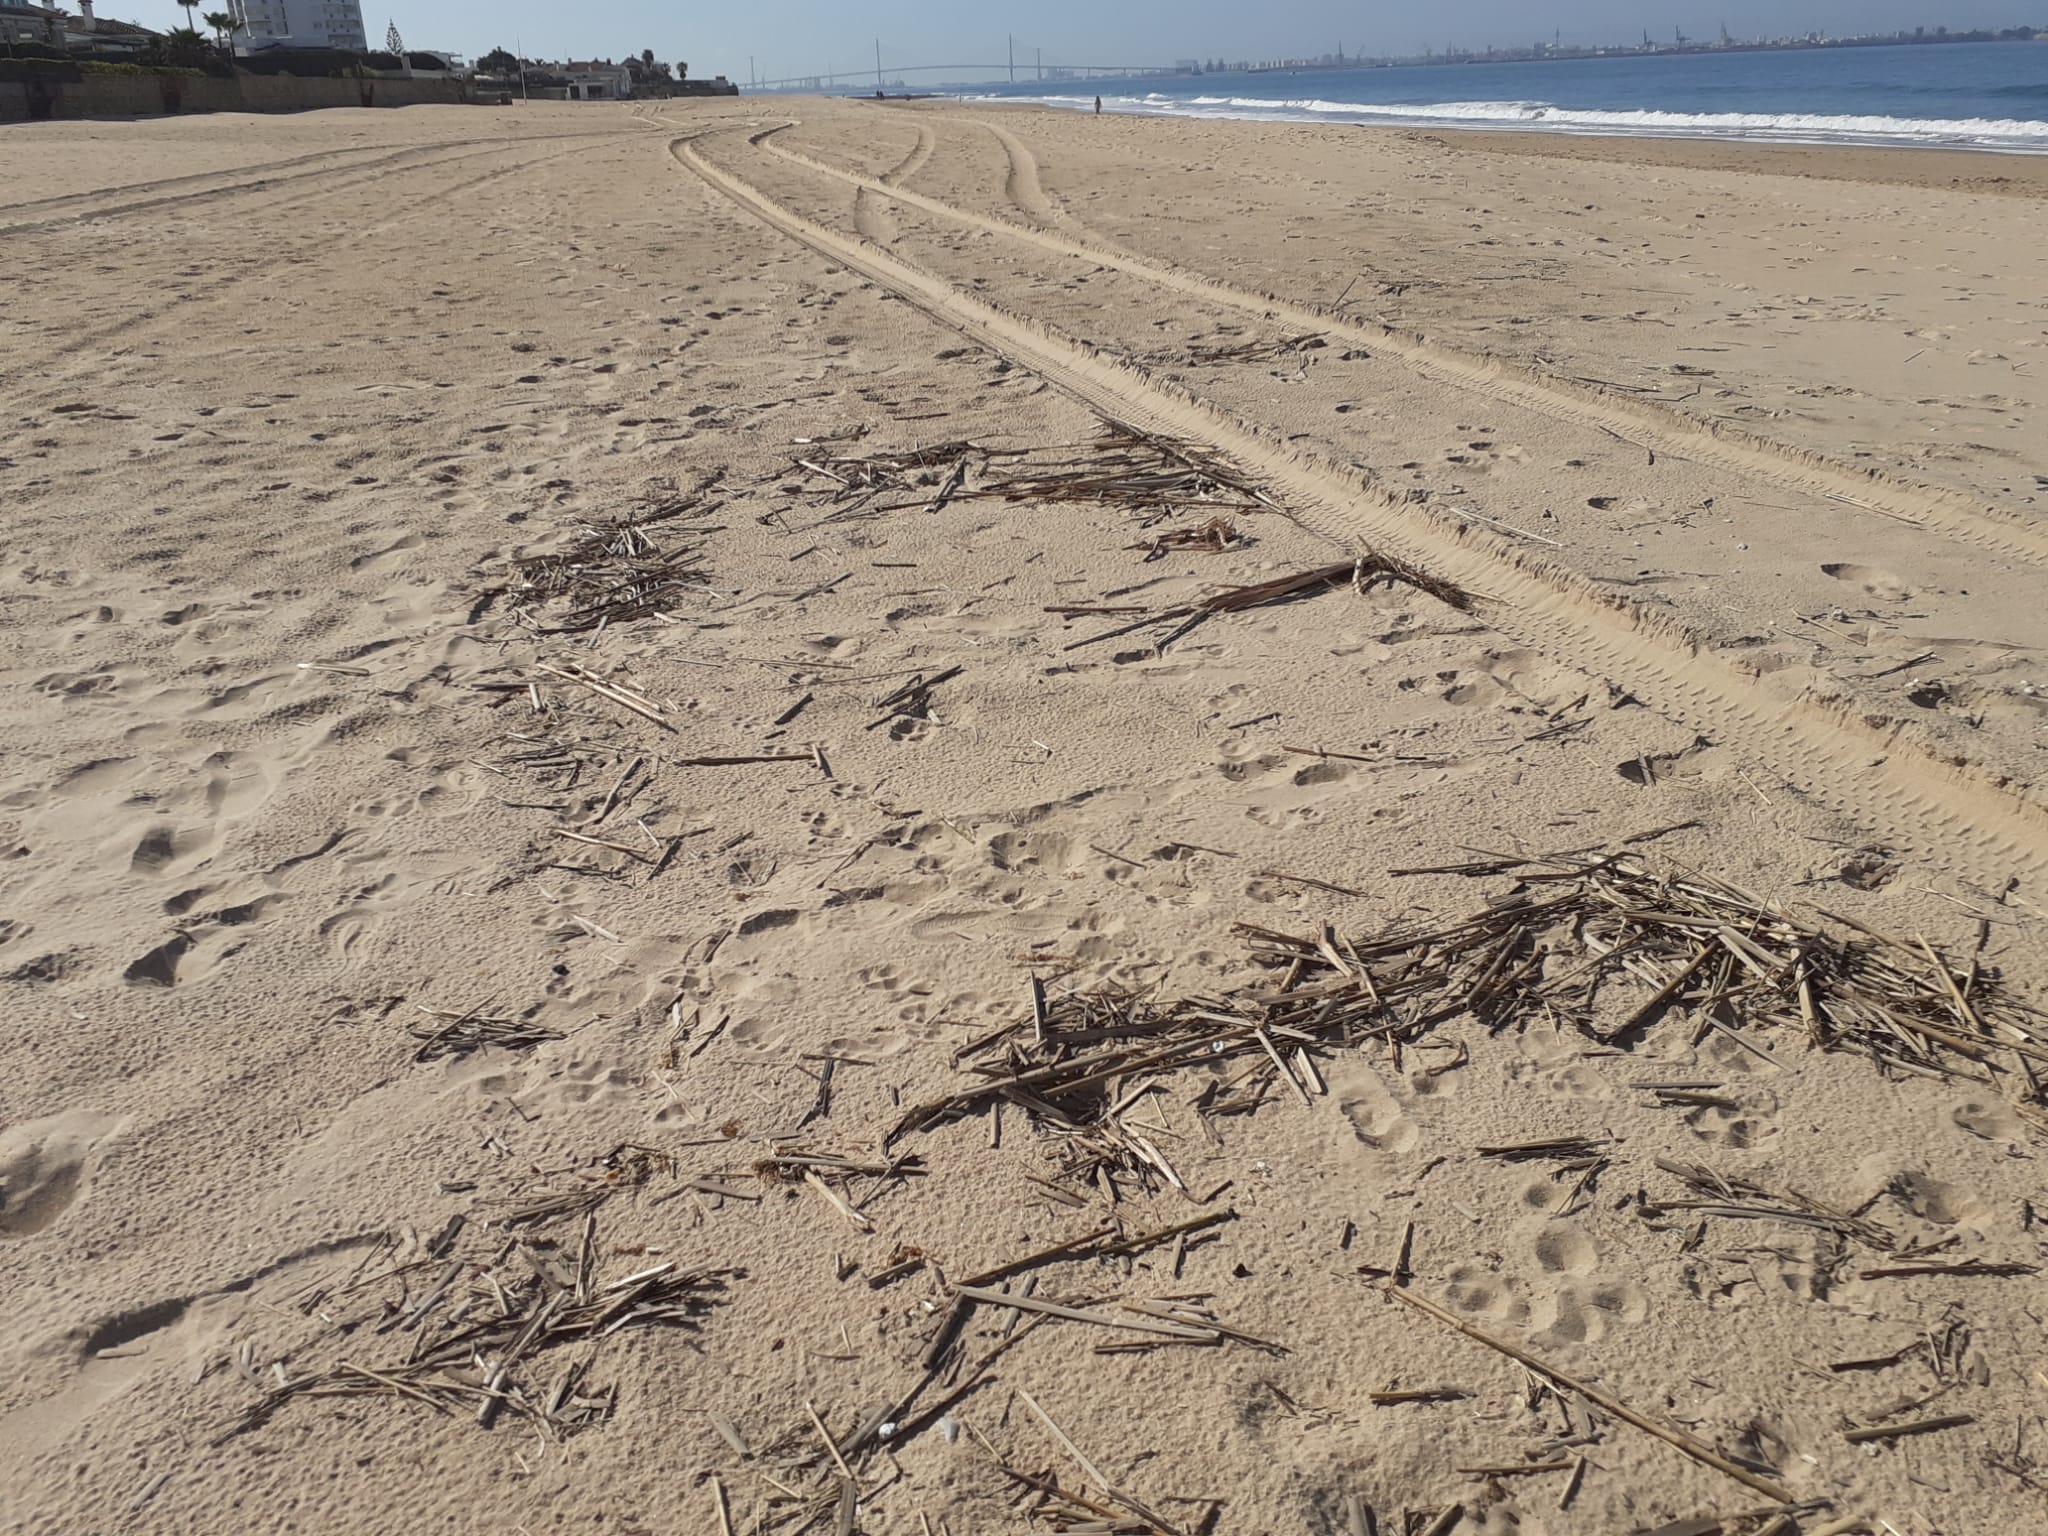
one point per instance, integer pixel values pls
(597, 80)
(24, 21)
(29, 21)
(261, 24)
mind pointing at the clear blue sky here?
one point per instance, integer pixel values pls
(788, 37)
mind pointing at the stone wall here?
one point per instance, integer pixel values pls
(149, 95)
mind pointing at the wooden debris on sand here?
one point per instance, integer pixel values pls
(1149, 472)
(1256, 351)
(1696, 1449)
(1146, 471)
(1611, 946)
(622, 694)
(1168, 1322)
(912, 701)
(1553, 1149)
(626, 1166)
(1213, 537)
(1108, 1508)
(741, 760)
(1082, 1075)
(484, 1337)
(459, 1034)
(621, 569)
(1606, 946)
(1725, 1196)
(1360, 573)
(836, 1178)
(1916, 1427)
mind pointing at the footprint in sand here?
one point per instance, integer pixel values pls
(168, 850)
(46, 1167)
(94, 781)
(587, 1082)
(1515, 680)
(1565, 1250)
(1562, 1298)
(1549, 1079)
(889, 979)
(386, 555)
(761, 1005)
(1284, 791)
(362, 916)
(1031, 852)
(158, 967)
(237, 783)
(80, 685)
(438, 793)
(1870, 580)
(1378, 1119)
(1750, 1124)
(203, 940)
(1583, 1311)
(1481, 1293)
(1938, 1201)
(1992, 1119)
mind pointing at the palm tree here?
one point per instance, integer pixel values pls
(182, 48)
(190, 7)
(222, 24)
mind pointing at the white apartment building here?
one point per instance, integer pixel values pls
(261, 24)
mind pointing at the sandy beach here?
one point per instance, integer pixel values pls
(772, 815)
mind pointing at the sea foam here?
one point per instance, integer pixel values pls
(2011, 134)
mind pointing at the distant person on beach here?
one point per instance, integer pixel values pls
(1098, 106)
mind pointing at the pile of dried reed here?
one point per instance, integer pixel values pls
(1149, 472)
(482, 1338)
(620, 569)
(1607, 946)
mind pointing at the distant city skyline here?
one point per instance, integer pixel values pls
(809, 37)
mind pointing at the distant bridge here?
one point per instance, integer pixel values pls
(1014, 73)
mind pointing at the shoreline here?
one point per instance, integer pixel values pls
(2017, 137)
(2021, 173)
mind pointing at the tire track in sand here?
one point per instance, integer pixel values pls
(871, 215)
(1860, 766)
(1637, 422)
(912, 163)
(56, 385)
(1023, 187)
(150, 194)
(180, 191)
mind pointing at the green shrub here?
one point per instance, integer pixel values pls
(90, 68)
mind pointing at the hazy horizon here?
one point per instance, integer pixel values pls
(1141, 32)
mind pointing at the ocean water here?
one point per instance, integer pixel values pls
(1986, 96)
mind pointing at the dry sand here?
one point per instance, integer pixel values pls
(1740, 453)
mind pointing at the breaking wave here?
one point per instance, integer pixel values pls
(2010, 134)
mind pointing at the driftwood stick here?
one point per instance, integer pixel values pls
(602, 689)
(1085, 1246)
(1700, 1452)
(1094, 1472)
(1043, 1256)
(1917, 1427)
(1024, 1303)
